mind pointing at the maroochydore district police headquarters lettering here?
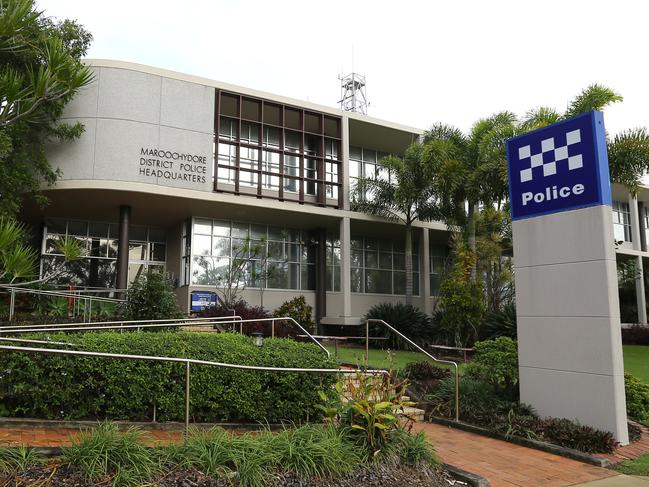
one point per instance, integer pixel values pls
(560, 167)
(173, 165)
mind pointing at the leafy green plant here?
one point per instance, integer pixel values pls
(106, 453)
(637, 399)
(424, 370)
(500, 323)
(151, 297)
(314, 450)
(369, 405)
(57, 307)
(496, 363)
(57, 387)
(298, 309)
(14, 460)
(461, 299)
(409, 320)
(411, 449)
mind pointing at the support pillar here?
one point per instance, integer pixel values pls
(635, 223)
(321, 277)
(424, 272)
(122, 247)
(640, 297)
(346, 266)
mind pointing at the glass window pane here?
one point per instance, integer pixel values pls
(138, 233)
(221, 246)
(221, 228)
(258, 231)
(202, 245)
(275, 250)
(98, 247)
(356, 258)
(112, 248)
(240, 229)
(229, 105)
(292, 141)
(357, 280)
(77, 228)
(371, 259)
(399, 283)
(378, 282)
(385, 260)
(277, 275)
(98, 229)
(337, 278)
(308, 277)
(157, 235)
(56, 225)
(135, 271)
(399, 261)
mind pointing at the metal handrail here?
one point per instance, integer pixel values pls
(12, 290)
(450, 362)
(187, 362)
(220, 320)
(166, 320)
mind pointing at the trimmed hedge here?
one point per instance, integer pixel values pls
(64, 387)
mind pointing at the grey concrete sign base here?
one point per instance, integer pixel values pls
(569, 338)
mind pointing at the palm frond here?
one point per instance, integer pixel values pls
(538, 118)
(594, 97)
(628, 157)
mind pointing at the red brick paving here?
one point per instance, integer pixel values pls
(11, 436)
(506, 464)
(632, 451)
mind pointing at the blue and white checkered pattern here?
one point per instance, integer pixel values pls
(549, 157)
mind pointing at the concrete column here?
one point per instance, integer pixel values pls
(321, 277)
(643, 235)
(424, 272)
(122, 247)
(635, 222)
(641, 300)
(346, 266)
(345, 161)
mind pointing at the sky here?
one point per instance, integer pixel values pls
(424, 61)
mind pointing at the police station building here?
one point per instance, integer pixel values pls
(174, 172)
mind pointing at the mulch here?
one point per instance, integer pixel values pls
(54, 475)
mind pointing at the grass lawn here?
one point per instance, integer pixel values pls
(636, 362)
(636, 359)
(379, 358)
(639, 466)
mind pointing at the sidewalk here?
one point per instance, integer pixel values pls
(619, 481)
(508, 465)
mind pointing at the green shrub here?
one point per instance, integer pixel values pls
(637, 399)
(570, 434)
(411, 449)
(14, 460)
(57, 386)
(409, 320)
(424, 370)
(151, 298)
(496, 363)
(106, 453)
(500, 323)
(298, 309)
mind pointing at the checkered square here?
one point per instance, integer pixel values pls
(550, 157)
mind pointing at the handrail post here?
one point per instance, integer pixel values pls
(367, 343)
(12, 304)
(187, 401)
(272, 328)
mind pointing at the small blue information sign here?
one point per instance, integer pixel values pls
(201, 300)
(560, 167)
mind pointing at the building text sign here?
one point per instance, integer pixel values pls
(560, 167)
(172, 165)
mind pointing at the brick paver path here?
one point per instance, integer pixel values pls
(17, 436)
(632, 451)
(506, 464)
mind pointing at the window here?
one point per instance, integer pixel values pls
(621, 221)
(307, 145)
(333, 263)
(366, 163)
(379, 266)
(97, 267)
(436, 269)
(272, 257)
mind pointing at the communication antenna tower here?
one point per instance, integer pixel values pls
(352, 93)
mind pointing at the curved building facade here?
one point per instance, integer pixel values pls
(178, 174)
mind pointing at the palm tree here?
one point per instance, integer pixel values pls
(407, 196)
(628, 151)
(475, 173)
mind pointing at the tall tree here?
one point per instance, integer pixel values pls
(475, 172)
(407, 196)
(628, 151)
(40, 72)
